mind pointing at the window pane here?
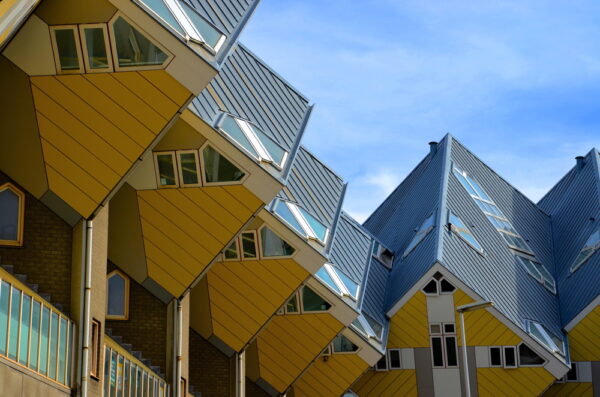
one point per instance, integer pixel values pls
(9, 215)
(233, 129)
(356, 323)
(218, 168)
(96, 48)
(24, 338)
(210, 35)
(4, 298)
(284, 212)
(69, 353)
(451, 358)
(350, 285)
(106, 371)
(35, 335)
(292, 305)
(312, 302)
(375, 326)
(133, 48)
(528, 356)
(189, 168)
(14, 323)
(116, 295)
(438, 355)
(44, 341)
(120, 375)
(464, 182)
(166, 170)
(126, 379)
(273, 245)
(67, 49)
(324, 275)
(317, 227)
(53, 346)
(424, 229)
(140, 384)
(62, 350)
(113, 374)
(231, 251)
(381, 364)
(341, 344)
(161, 9)
(394, 359)
(495, 357)
(510, 359)
(572, 374)
(445, 286)
(248, 245)
(478, 189)
(431, 287)
(276, 152)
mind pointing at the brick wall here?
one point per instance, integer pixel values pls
(146, 328)
(210, 370)
(45, 257)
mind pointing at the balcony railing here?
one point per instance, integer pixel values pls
(33, 334)
(126, 376)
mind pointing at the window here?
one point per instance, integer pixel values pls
(67, 50)
(546, 337)
(305, 300)
(292, 305)
(133, 49)
(381, 365)
(383, 254)
(538, 272)
(363, 325)
(394, 359)
(187, 22)
(427, 226)
(341, 344)
(338, 281)
(94, 39)
(274, 246)
(572, 375)
(431, 288)
(303, 222)
(591, 246)
(248, 244)
(529, 358)
(446, 287)
(375, 326)
(231, 252)
(436, 287)
(95, 347)
(495, 356)
(117, 307)
(444, 352)
(12, 213)
(165, 169)
(189, 168)
(254, 140)
(218, 169)
(510, 357)
(458, 227)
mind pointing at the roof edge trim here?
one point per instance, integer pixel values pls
(442, 205)
(235, 35)
(336, 220)
(294, 151)
(582, 314)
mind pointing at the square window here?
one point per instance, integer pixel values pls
(449, 328)
(495, 357)
(394, 358)
(435, 329)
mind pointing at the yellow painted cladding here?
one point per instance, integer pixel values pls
(387, 384)
(289, 344)
(184, 229)
(330, 376)
(483, 329)
(584, 343)
(522, 382)
(570, 389)
(409, 327)
(94, 127)
(244, 295)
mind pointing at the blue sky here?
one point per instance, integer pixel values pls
(518, 82)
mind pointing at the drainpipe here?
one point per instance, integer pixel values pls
(178, 349)
(85, 371)
(240, 374)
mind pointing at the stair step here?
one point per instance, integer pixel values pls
(137, 355)
(118, 339)
(9, 268)
(108, 331)
(147, 362)
(34, 287)
(45, 296)
(21, 277)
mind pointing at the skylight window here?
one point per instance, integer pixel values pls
(187, 22)
(338, 281)
(458, 227)
(492, 212)
(547, 338)
(302, 221)
(591, 246)
(425, 228)
(254, 140)
(539, 272)
(362, 325)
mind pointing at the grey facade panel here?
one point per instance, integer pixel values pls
(424, 371)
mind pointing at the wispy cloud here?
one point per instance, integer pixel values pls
(516, 82)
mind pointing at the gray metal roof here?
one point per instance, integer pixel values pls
(572, 204)
(373, 302)
(248, 88)
(351, 248)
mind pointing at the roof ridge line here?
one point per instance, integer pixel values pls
(443, 196)
(235, 35)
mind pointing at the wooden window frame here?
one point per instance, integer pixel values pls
(256, 246)
(125, 316)
(180, 167)
(238, 257)
(96, 345)
(175, 169)
(21, 216)
(75, 30)
(107, 46)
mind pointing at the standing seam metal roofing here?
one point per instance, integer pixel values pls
(572, 202)
(250, 89)
(351, 248)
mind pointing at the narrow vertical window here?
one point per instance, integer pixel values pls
(248, 240)
(24, 338)
(437, 351)
(95, 45)
(117, 307)
(15, 306)
(35, 335)
(44, 341)
(12, 211)
(451, 354)
(165, 169)
(107, 372)
(4, 314)
(510, 357)
(62, 350)
(394, 359)
(189, 171)
(67, 50)
(52, 358)
(95, 367)
(495, 356)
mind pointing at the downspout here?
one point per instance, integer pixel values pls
(178, 349)
(85, 371)
(240, 374)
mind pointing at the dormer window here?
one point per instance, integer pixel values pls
(338, 281)
(253, 139)
(304, 301)
(457, 226)
(591, 246)
(186, 22)
(546, 337)
(427, 226)
(384, 255)
(538, 272)
(12, 212)
(363, 325)
(271, 246)
(303, 222)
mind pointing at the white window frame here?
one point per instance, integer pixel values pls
(529, 365)
(345, 353)
(423, 234)
(273, 257)
(298, 296)
(175, 169)
(389, 358)
(542, 330)
(180, 167)
(339, 283)
(437, 284)
(203, 168)
(576, 265)
(107, 47)
(113, 47)
(456, 230)
(501, 365)
(576, 380)
(443, 335)
(514, 349)
(308, 231)
(367, 327)
(75, 30)
(190, 29)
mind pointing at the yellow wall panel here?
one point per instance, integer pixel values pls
(409, 327)
(584, 343)
(151, 95)
(290, 343)
(69, 192)
(168, 85)
(513, 382)
(387, 384)
(570, 389)
(331, 376)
